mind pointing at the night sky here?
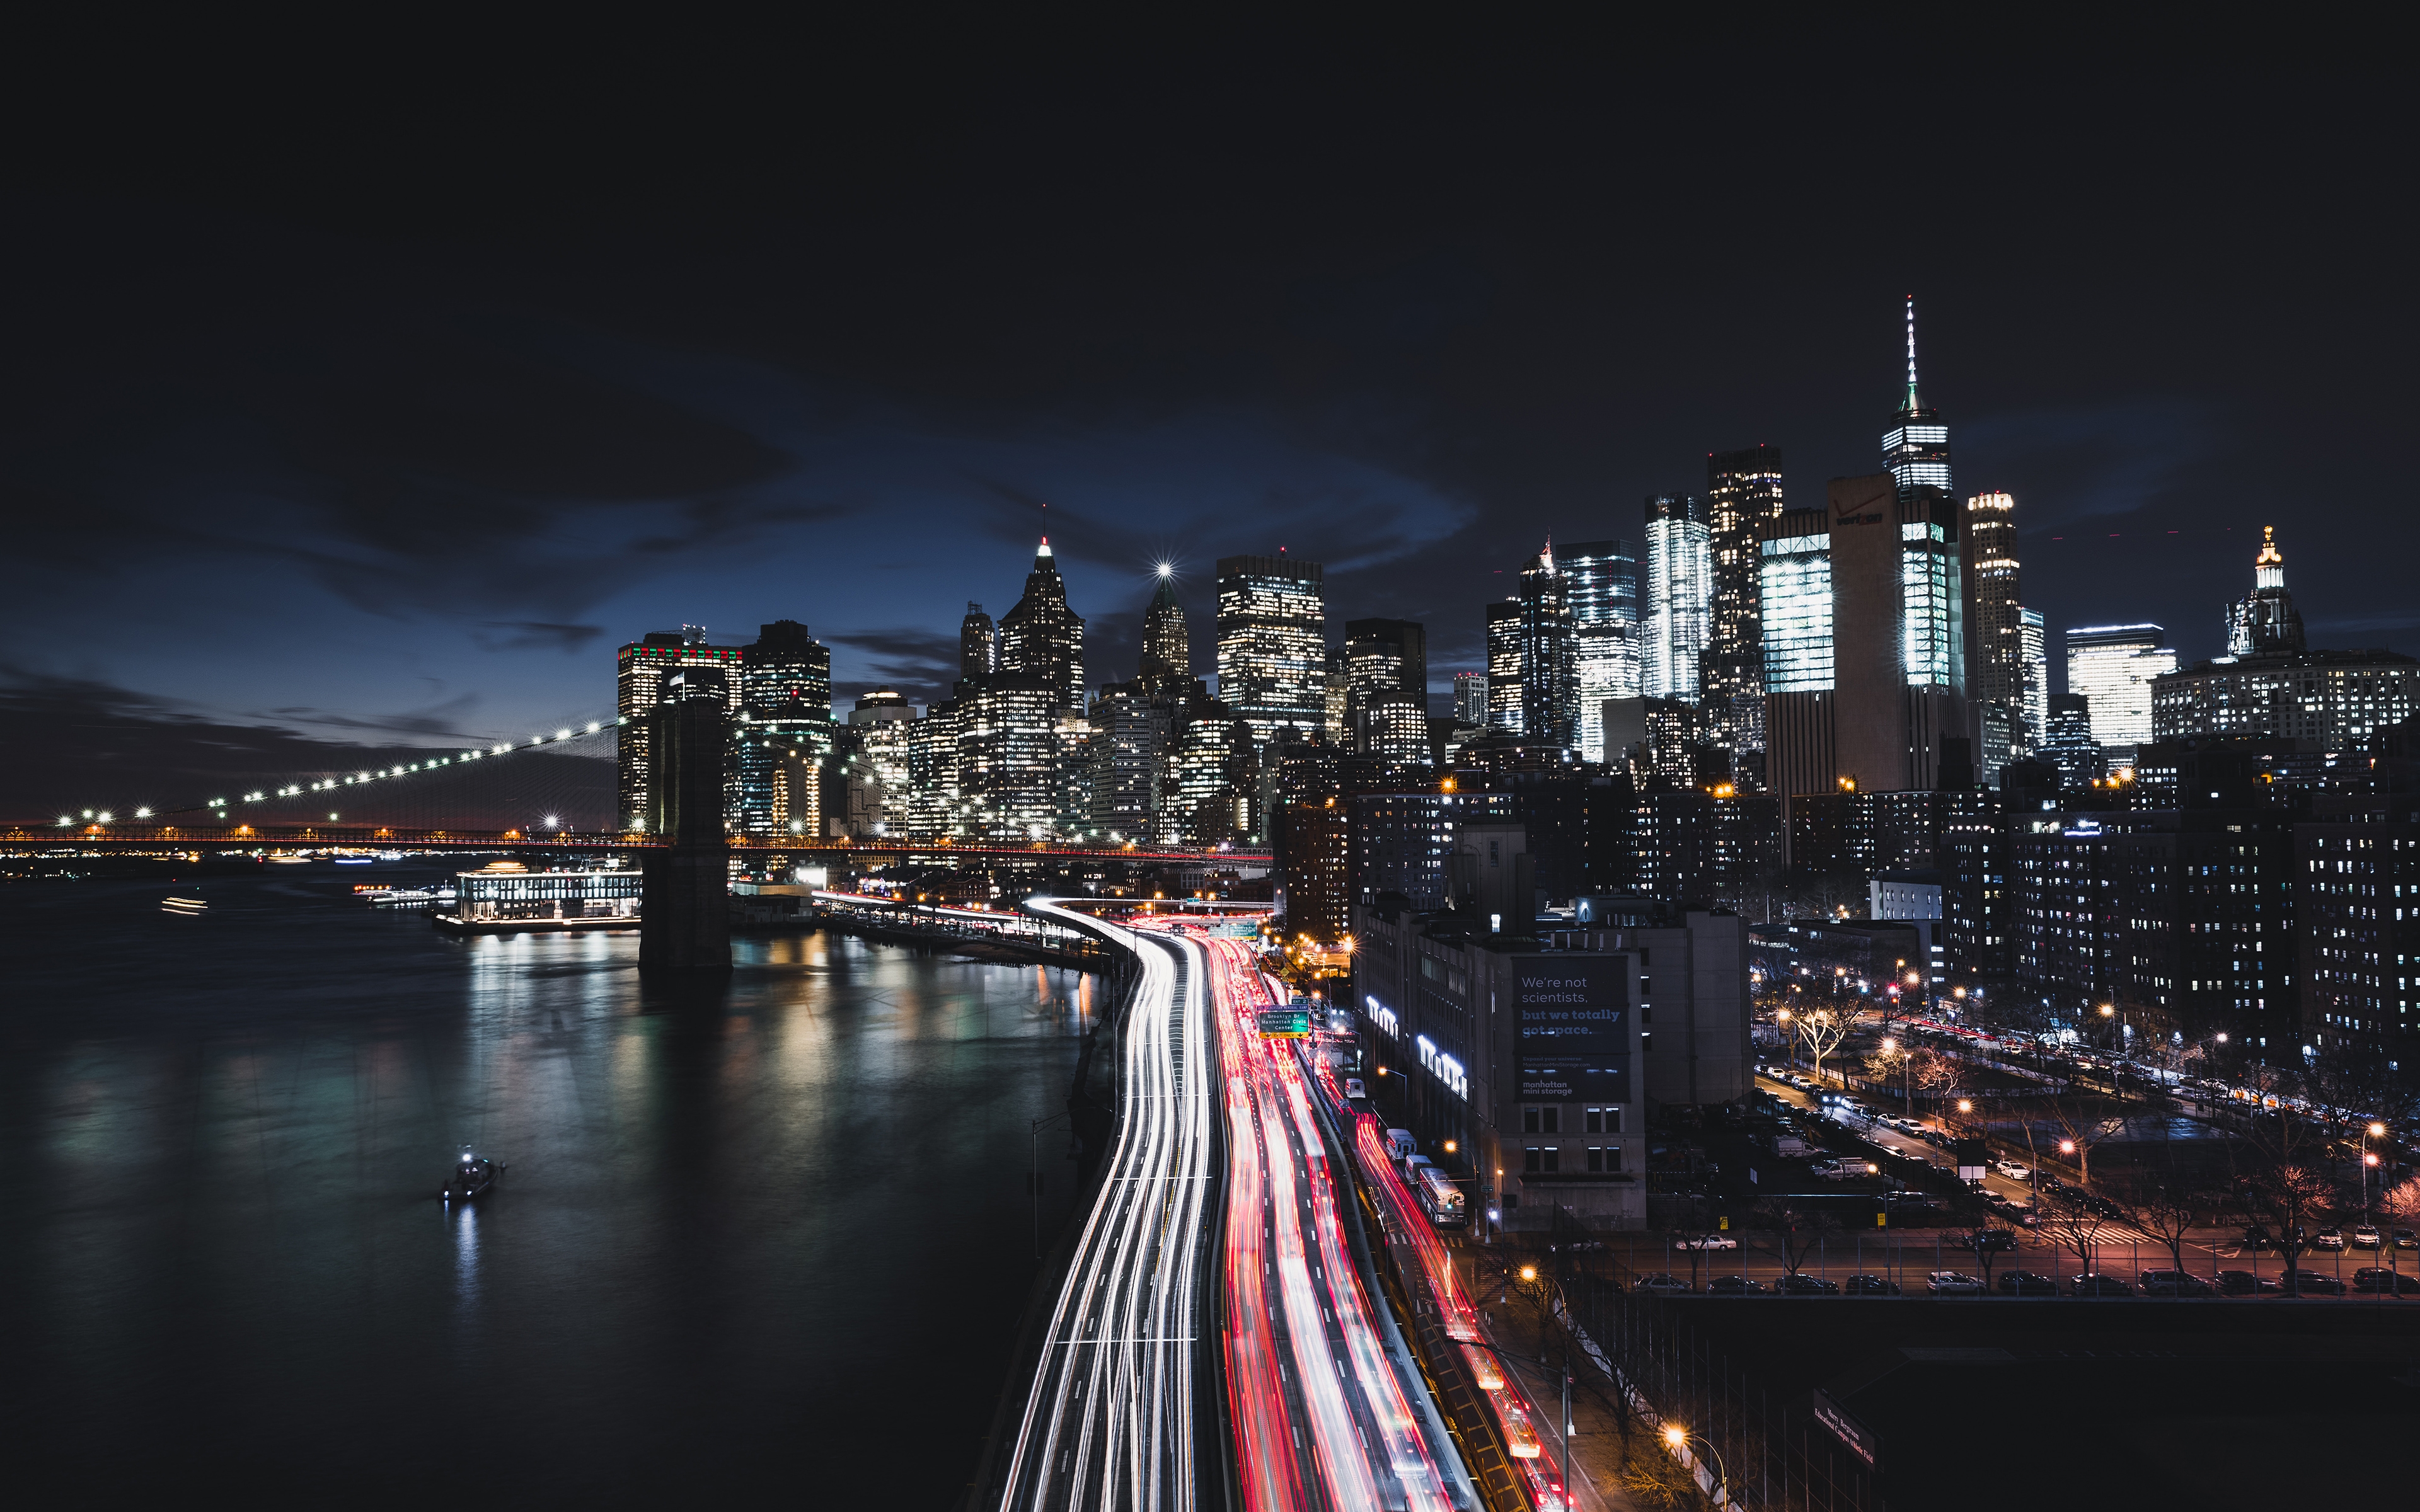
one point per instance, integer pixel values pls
(366, 392)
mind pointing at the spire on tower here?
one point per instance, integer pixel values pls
(1912, 405)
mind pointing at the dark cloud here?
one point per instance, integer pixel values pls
(532, 635)
(68, 744)
(919, 663)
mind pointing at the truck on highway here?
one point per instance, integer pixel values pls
(1401, 1146)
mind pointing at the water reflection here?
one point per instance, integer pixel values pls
(221, 1148)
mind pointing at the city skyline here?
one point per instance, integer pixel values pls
(473, 440)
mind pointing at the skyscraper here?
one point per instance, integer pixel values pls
(1273, 643)
(1504, 705)
(786, 718)
(1865, 641)
(1995, 643)
(641, 671)
(1679, 610)
(2113, 665)
(1167, 652)
(2036, 641)
(978, 650)
(1041, 638)
(1604, 595)
(2266, 619)
(1917, 448)
(1470, 699)
(1549, 673)
(1383, 657)
(1742, 497)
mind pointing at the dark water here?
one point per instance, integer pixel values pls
(769, 1245)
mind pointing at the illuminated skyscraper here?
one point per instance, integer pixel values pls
(1470, 699)
(1549, 668)
(1167, 651)
(1504, 705)
(642, 670)
(1678, 616)
(2113, 665)
(1742, 497)
(2266, 620)
(1273, 643)
(1916, 447)
(1041, 638)
(1865, 641)
(785, 717)
(2036, 653)
(1383, 657)
(1604, 593)
(978, 648)
(883, 723)
(1995, 644)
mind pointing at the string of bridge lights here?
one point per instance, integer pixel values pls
(295, 790)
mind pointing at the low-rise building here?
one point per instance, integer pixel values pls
(1528, 1060)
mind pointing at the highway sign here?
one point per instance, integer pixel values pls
(1285, 1023)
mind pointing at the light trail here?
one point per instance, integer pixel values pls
(1108, 1422)
(1514, 1413)
(1338, 1433)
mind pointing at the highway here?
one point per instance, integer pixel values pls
(1109, 1420)
(1326, 1418)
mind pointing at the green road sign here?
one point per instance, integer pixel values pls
(1285, 1023)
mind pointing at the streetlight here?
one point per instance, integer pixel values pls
(1680, 1437)
(2369, 1159)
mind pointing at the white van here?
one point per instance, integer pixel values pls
(1401, 1146)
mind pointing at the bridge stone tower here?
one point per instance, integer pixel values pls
(685, 911)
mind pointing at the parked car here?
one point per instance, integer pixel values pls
(1955, 1283)
(1805, 1285)
(2012, 1170)
(1991, 1240)
(2328, 1239)
(2174, 1284)
(1733, 1286)
(2245, 1284)
(1662, 1281)
(2405, 1239)
(1869, 1285)
(2379, 1280)
(2256, 1237)
(2364, 1236)
(2026, 1284)
(2089, 1285)
(1708, 1242)
(2316, 1284)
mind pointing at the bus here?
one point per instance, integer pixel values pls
(1440, 1198)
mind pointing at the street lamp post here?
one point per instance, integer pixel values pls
(2376, 1131)
(1529, 1278)
(1680, 1437)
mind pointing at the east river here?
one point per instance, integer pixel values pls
(763, 1244)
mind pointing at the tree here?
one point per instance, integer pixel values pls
(1935, 1074)
(1822, 1029)
(2071, 1223)
(2399, 1207)
(2081, 1122)
(2290, 1196)
(2161, 1205)
(1802, 1233)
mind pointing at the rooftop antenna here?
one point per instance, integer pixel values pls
(1912, 405)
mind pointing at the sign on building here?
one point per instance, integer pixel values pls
(1573, 1018)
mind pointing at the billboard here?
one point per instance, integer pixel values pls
(1572, 1018)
